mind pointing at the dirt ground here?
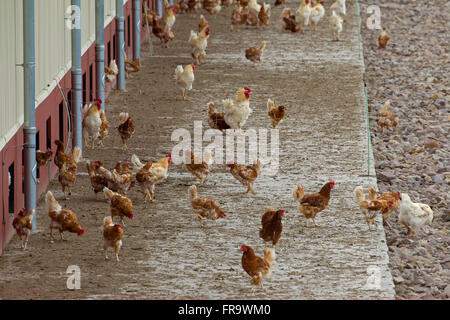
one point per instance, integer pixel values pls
(165, 253)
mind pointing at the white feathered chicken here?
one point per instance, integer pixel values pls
(317, 13)
(92, 122)
(198, 42)
(185, 78)
(335, 25)
(339, 7)
(236, 113)
(414, 215)
(302, 15)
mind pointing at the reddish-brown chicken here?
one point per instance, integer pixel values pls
(61, 219)
(271, 226)
(67, 166)
(276, 114)
(385, 118)
(126, 128)
(312, 204)
(263, 16)
(255, 266)
(42, 158)
(204, 208)
(371, 206)
(150, 174)
(61, 157)
(22, 223)
(103, 128)
(287, 20)
(197, 166)
(246, 175)
(98, 181)
(387, 196)
(120, 206)
(216, 120)
(112, 236)
(254, 54)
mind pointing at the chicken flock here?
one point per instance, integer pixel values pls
(115, 183)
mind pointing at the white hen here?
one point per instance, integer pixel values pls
(185, 78)
(414, 215)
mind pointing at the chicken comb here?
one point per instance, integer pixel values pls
(243, 247)
(98, 101)
(247, 89)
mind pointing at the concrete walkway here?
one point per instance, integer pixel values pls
(165, 253)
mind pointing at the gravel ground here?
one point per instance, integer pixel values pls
(414, 158)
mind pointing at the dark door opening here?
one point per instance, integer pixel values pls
(11, 188)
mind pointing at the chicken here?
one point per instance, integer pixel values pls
(92, 122)
(120, 179)
(238, 17)
(182, 6)
(254, 54)
(150, 174)
(339, 7)
(120, 205)
(204, 208)
(335, 25)
(264, 15)
(212, 6)
(42, 158)
(246, 175)
(385, 118)
(112, 236)
(317, 13)
(254, 7)
(68, 171)
(23, 223)
(194, 5)
(271, 225)
(371, 206)
(383, 39)
(103, 129)
(61, 157)
(203, 24)
(168, 17)
(302, 15)
(414, 215)
(249, 18)
(279, 3)
(111, 72)
(243, 3)
(98, 181)
(198, 42)
(386, 196)
(125, 128)
(61, 219)
(276, 114)
(161, 30)
(287, 21)
(132, 66)
(197, 166)
(237, 113)
(312, 204)
(216, 120)
(255, 266)
(185, 78)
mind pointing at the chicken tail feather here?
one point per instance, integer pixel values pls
(136, 162)
(299, 193)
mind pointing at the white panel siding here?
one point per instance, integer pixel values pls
(53, 52)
